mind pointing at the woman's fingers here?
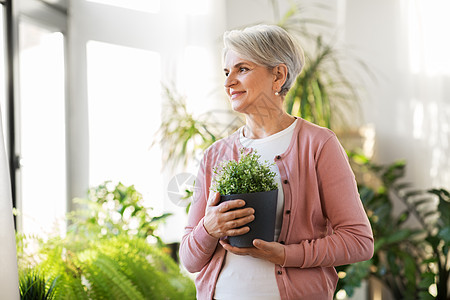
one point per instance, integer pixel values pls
(238, 213)
(235, 227)
(239, 251)
(227, 218)
(228, 205)
(213, 198)
(271, 251)
(239, 222)
(238, 231)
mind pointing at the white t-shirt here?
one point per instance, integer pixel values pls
(246, 277)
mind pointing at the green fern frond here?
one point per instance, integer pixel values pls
(107, 280)
(91, 265)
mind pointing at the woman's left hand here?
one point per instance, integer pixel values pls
(271, 251)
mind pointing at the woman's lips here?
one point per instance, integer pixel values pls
(235, 94)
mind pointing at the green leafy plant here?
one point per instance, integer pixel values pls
(412, 262)
(34, 286)
(431, 209)
(103, 256)
(118, 267)
(439, 239)
(392, 263)
(324, 93)
(111, 209)
(182, 134)
(247, 175)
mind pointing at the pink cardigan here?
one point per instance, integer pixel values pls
(324, 223)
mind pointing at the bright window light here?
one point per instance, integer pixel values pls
(42, 130)
(429, 44)
(149, 6)
(418, 116)
(124, 102)
(192, 71)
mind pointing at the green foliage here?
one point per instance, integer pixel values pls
(34, 286)
(391, 257)
(309, 98)
(112, 209)
(323, 93)
(247, 175)
(182, 134)
(433, 252)
(118, 267)
(407, 261)
(354, 274)
(89, 263)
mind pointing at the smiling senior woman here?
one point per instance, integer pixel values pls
(320, 220)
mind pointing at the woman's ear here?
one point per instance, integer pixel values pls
(280, 75)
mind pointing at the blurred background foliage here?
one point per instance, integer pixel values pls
(328, 90)
(112, 209)
(111, 251)
(411, 256)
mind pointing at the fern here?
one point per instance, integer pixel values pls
(140, 260)
(118, 264)
(107, 280)
(118, 267)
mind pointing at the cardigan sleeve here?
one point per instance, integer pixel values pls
(197, 246)
(351, 239)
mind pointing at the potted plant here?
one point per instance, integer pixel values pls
(252, 181)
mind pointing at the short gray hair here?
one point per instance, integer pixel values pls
(269, 46)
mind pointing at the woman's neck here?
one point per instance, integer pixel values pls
(261, 126)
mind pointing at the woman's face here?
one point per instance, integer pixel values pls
(247, 84)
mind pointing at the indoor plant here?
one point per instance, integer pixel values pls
(34, 286)
(411, 261)
(110, 251)
(254, 182)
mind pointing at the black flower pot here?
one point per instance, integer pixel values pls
(263, 226)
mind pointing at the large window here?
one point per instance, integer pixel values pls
(124, 112)
(41, 130)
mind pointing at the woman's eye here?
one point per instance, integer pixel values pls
(242, 69)
(226, 74)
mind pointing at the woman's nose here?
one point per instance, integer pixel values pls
(231, 80)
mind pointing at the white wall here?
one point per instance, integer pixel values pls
(410, 107)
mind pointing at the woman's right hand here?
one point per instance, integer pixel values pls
(220, 220)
